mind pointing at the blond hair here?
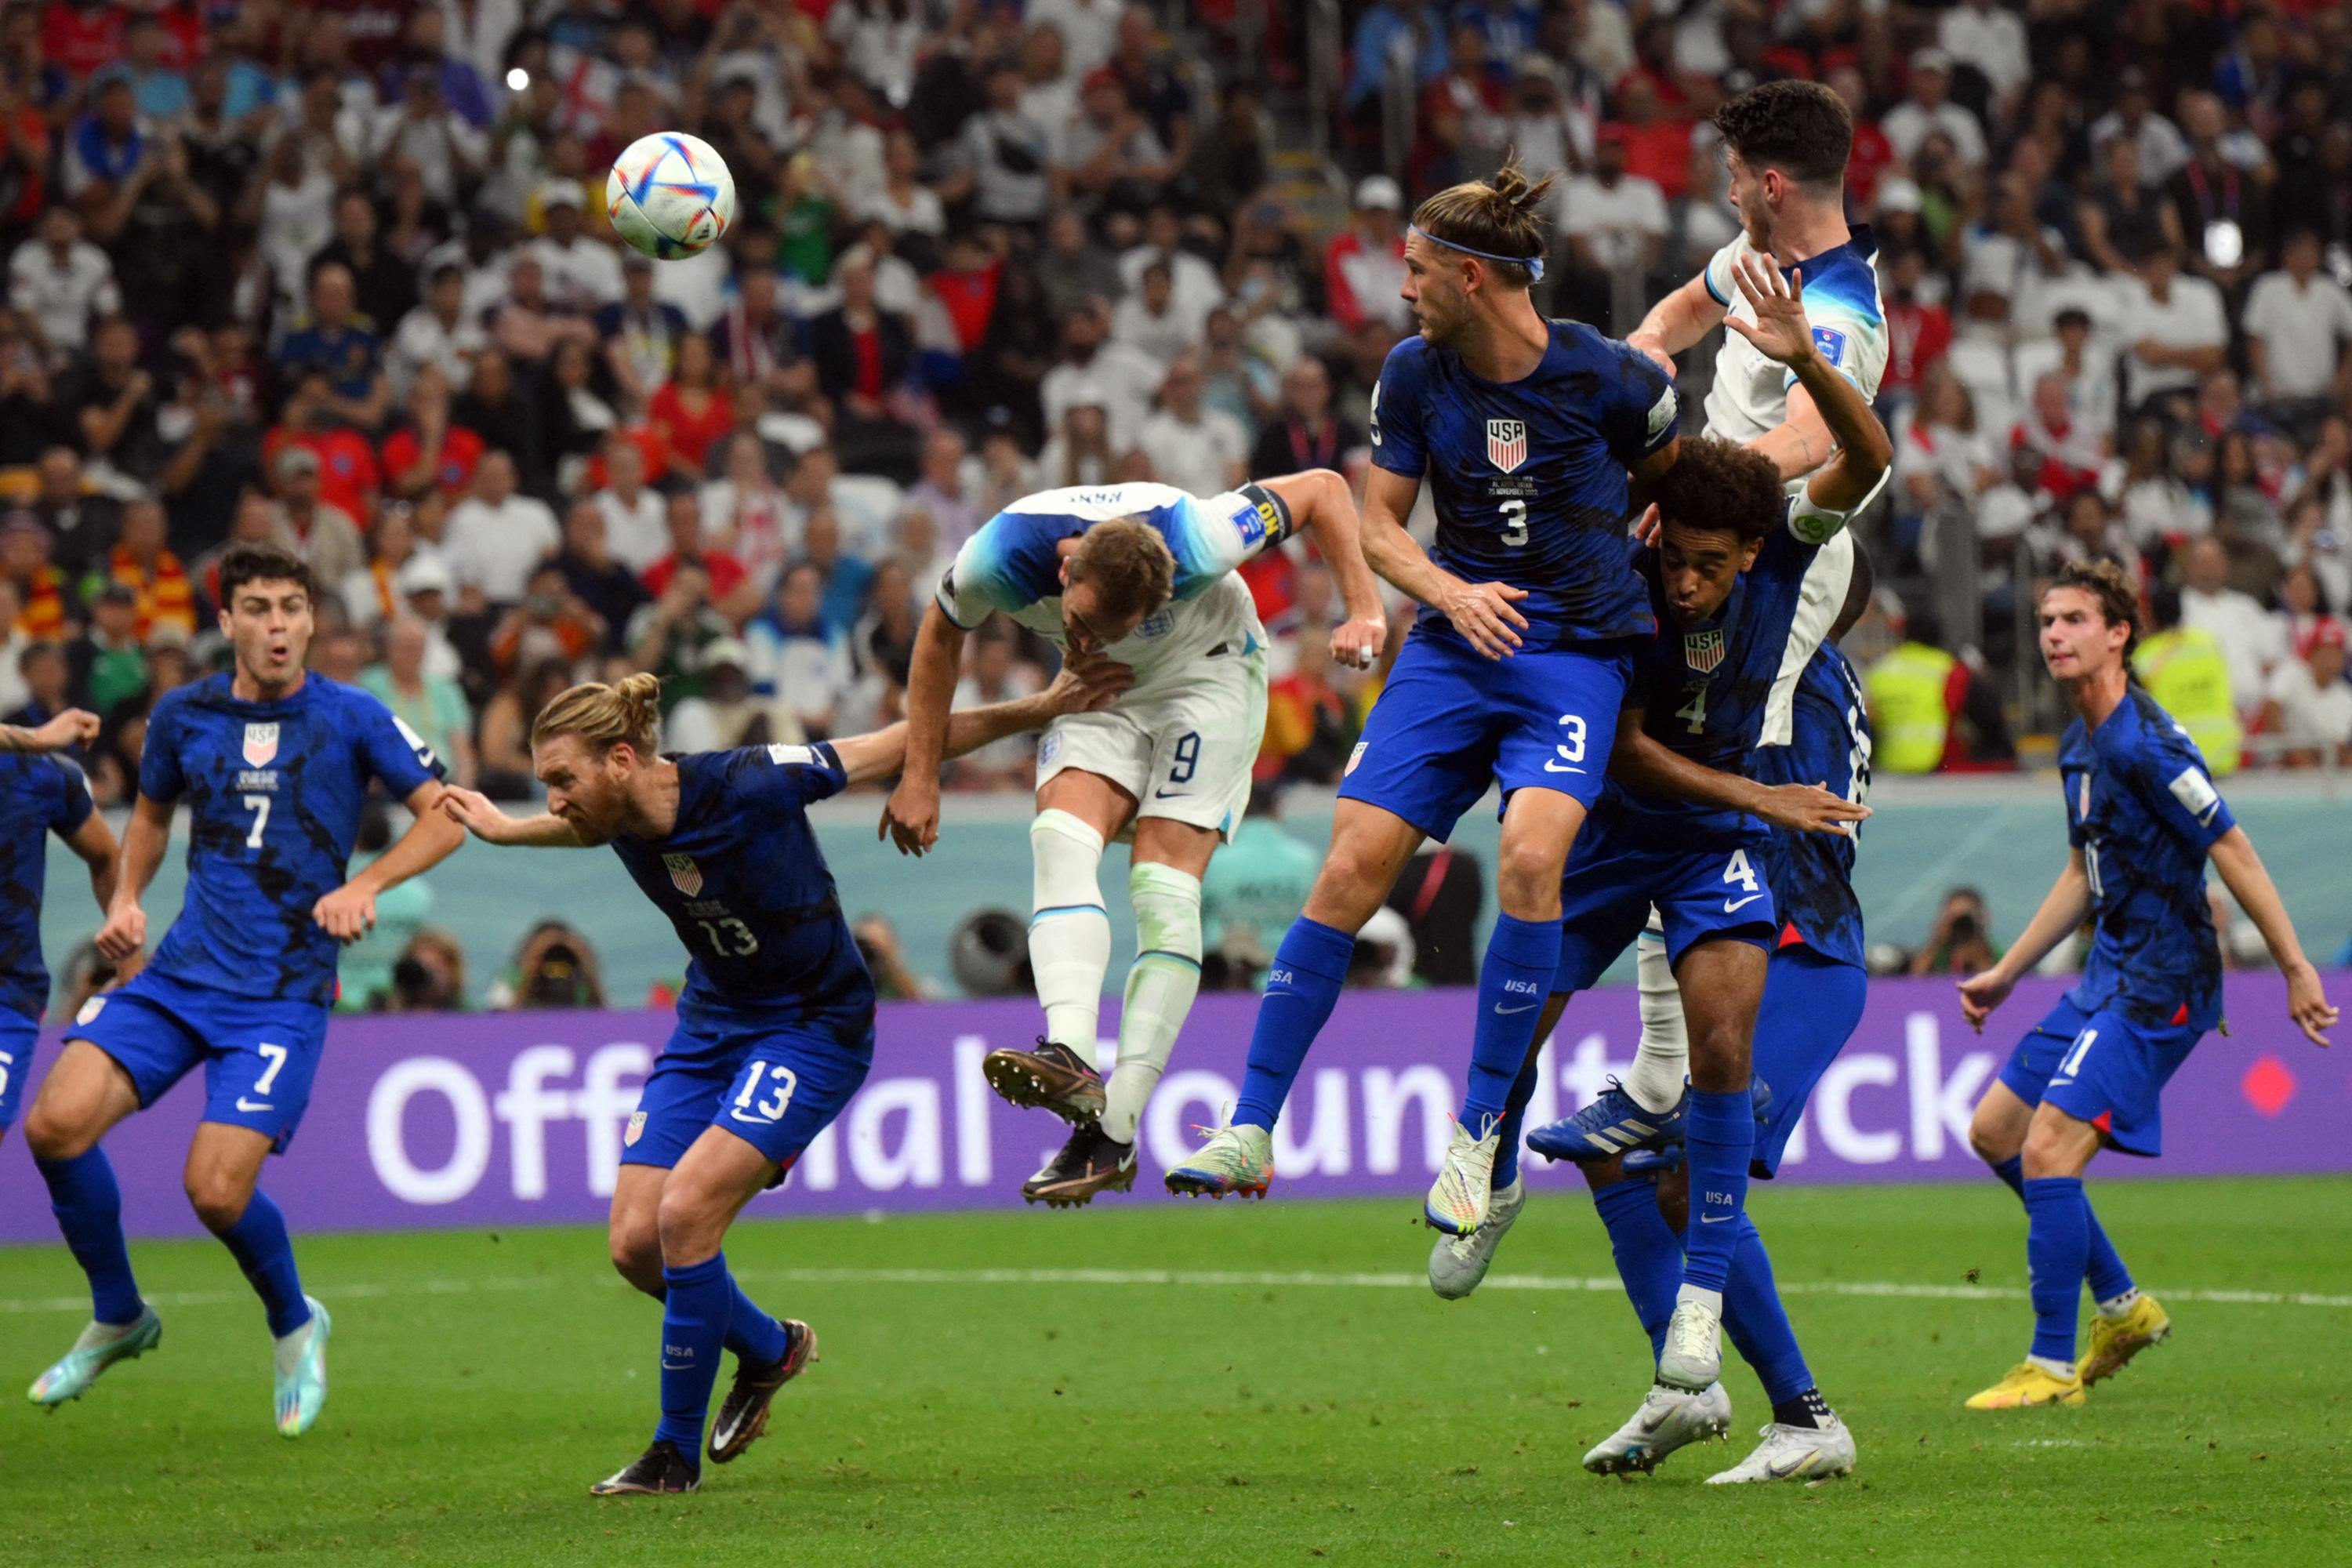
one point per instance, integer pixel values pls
(1129, 563)
(1502, 218)
(605, 716)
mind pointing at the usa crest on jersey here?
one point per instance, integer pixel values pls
(260, 744)
(1703, 651)
(1507, 443)
(684, 874)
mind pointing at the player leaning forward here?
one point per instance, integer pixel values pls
(1139, 574)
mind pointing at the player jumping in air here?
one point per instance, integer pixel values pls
(40, 793)
(1141, 575)
(273, 764)
(1728, 571)
(1526, 429)
(2142, 819)
(775, 1026)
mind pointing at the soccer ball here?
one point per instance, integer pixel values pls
(670, 195)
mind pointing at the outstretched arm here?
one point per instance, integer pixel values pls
(1322, 507)
(73, 727)
(911, 817)
(475, 813)
(1083, 686)
(2249, 883)
(1831, 432)
(1677, 321)
(348, 914)
(2062, 909)
(1642, 762)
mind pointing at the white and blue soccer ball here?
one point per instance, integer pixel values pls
(670, 195)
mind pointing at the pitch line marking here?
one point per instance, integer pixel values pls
(1187, 1277)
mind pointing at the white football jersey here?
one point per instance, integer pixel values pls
(1750, 395)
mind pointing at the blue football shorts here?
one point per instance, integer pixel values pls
(1450, 721)
(17, 1034)
(775, 1085)
(2104, 1068)
(258, 1053)
(1612, 880)
(1812, 1007)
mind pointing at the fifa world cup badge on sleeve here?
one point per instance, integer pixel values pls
(1662, 412)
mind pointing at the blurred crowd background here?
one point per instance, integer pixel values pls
(337, 274)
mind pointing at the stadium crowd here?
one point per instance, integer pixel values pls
(337, 274)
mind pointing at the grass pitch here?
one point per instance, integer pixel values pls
(1037, 1388)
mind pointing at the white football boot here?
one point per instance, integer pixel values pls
(1794, 1454)
(1457, 1263)
(1669, 1418)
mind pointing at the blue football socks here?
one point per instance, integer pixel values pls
(2057, 1247)
(695, 1319)
(260, 1244)
(1515, 1121)
(1300, 992)
(2106, 1271)
(1757, 1324)
(1513, 983)
(1719, 1137)
(755, 1338)
(88, 1207)
(1649, 1255)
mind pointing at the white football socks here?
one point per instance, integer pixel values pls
(1069, 933)
(1159, 989)
(1663, 1060)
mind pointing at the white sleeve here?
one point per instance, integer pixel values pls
(1718, 274)
(973, 586)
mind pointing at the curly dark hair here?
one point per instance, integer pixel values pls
(263, 563)
(1801, 128)
(2110, 586)
(1722, 487)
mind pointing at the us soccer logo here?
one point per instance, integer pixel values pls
(260, 744)
(636, 1128)
(1703, 650)
(1507, 443)
(684, 874)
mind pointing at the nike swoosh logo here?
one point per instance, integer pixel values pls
(678, 1366)
(1506, 1011)
(1170, 794)
(1712, 1218)
(243, 1104)
(1731, 908)
(1559, 768)
(1782, 1472)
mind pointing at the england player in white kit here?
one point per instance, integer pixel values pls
(1142, 575)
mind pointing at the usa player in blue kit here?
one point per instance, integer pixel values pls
(2142, 820)
(40, 793)
(1677, 829)
(775, 1026)
(1525, 429)
(273, 766)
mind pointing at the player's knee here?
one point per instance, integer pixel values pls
(1526, 875)
(2052, 1148)
(52, 1137)
(690, 1226)
(1990, 1136)
(637, 1256)
(219, 1198)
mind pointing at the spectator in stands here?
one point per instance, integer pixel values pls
(1149, 321)
(2222, 203)
(164, 600)
(2081, 529)
(2123, 215)
(728, 712)
(668, 636)
(496, 534)
(794, 657)
(582, 273)
(336, 346)
(864, 356)
(2184, 669)
(1960, 942)
(642, 334)
(1251, 893)
(693, 410)
(1927, 111)
(549, 622)
(325, 535)
(348, 477)
(110, 403)
(40, 586)
(1006, 159)
(430, 451)
(2298, 322)
(2248, 640)
(107, 664)
(370, 594)
(42, 669)
(746, 513)
(383, 285)
(436, 332)
(1191, 446)
(1931, 711)
(1310, 723)
(507, 718)
(636, 534)
(82, 523)
(732, 592)
(61, 282)
(2162, 149)
(429, 975)
(498, 410)
(14, 644)
(436, 710)
(2179, 330)
(1363, 267)
(886, 960)
(2308, 706)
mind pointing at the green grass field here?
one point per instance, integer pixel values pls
(981, 1401)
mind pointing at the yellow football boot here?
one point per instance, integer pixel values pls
(2029, 1384)
(2115, 1340)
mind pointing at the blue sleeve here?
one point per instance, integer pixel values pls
(2180, 793)
(394, 752)
(72, 805)
(159, 757)
(1642, 412)
(791, 776)
(1395, 426)
(983, 577)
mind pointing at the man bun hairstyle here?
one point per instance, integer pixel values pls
(259, 563)
(605, 716)
(1801, 128)
(1500, 219)
(2110, 586)
(1129, 565)
(1723, 488)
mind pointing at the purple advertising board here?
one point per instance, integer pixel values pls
(508, 1119)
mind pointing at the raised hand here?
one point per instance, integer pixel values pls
(1781, 332)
